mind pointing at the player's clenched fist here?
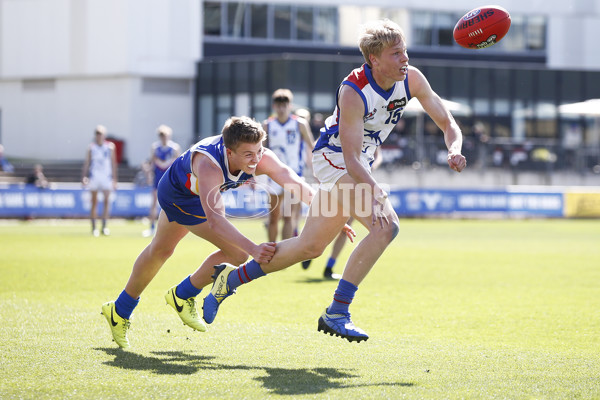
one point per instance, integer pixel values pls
(264, 252)
(457, 162)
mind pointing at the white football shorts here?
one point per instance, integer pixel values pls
(100, 183)
(329, 167)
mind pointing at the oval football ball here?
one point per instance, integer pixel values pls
(482, 27)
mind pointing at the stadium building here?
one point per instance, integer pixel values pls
(66, 66)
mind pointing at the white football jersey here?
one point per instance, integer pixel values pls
(100, 161)
(285, 140)
(383, 110)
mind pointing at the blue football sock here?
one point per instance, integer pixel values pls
(244, 274)
(125, 304)
(330, 263)
(342, 297)
(185, 289)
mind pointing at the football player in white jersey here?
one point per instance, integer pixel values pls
(288, 136)
(370, 101)
(100, 175)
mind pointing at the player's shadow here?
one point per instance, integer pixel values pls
(283, 381)
(299, 381)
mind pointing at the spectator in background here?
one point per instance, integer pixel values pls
(100, 174)
(37, 177)
(162, 154)
(4, 164)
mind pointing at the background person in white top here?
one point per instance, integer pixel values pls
(289, 137)
(100, 175)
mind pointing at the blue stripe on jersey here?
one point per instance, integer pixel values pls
(383, 93)
(362, 95)
(408, 96)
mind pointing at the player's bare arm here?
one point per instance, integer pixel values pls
(284, 176)
(113, 160)
(433, 105)
(212, 203)
(86, 166)
(351, 137)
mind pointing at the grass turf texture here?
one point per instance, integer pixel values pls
(454, 309)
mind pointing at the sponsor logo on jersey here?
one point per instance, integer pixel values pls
(394, 104)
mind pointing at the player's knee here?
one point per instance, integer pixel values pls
(237, 257)
(312, 249)
(388, 232)
(161, 252)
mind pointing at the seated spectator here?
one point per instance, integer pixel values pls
(37, 177)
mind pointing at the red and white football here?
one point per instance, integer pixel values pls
(482, 27)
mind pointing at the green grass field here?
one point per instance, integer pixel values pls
(454, 309)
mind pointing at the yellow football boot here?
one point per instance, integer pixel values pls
(118, 326)
(186, 309)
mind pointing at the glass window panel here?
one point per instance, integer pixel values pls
(259, 75)
(324, 102)
(304, 23)
(224, 102)
(262, 101)
(422, 23)
(212, 19)
(515, 39)
(437, 79)
(592, 85)
(223, 71)
(283, 22)
(242, 104)
(501, 107)
(241, 76)
(324, 77)
(259, 21)
(205, 78)
(445, 27)
(236, 24)
(536, 33)
(298, 75)
(326, 25)
(571, 86)
(524, 85)
(205, 111)
(460, 82)
(546, 86)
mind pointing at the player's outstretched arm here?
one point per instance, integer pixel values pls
(283, 175)
(433, 105)
(214, 208)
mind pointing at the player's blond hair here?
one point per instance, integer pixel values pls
(164, 130)
(282, 96)
(242, 130)
(378, 35)
(101, 129)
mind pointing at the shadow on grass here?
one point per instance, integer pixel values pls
(283, 381)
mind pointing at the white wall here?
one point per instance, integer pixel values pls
(68, 65)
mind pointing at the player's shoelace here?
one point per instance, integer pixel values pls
(192, 307)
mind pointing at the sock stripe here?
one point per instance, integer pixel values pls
(246, 273)
(340, 301)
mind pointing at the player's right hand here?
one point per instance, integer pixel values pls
(264, 252)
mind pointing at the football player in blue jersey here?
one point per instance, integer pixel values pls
(370, 102)
(190, 197)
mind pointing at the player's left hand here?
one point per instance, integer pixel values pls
(349, 232)
(457, 161)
